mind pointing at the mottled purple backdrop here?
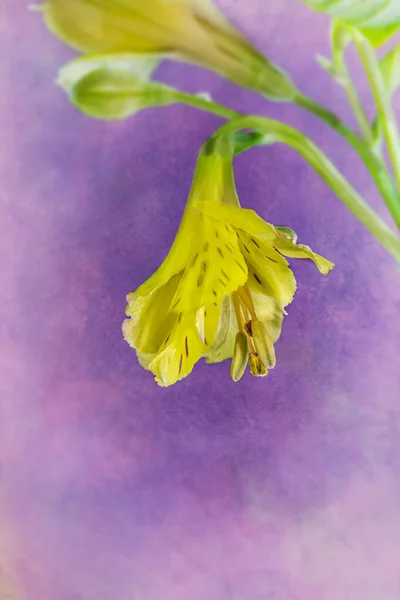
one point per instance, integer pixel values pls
(284, 488)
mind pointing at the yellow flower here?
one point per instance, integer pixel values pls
(190, 30)
(221, 291)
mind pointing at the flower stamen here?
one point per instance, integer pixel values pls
(245, 294)
(257, 368)
(245, 312)
(240, 356)
(236, 306)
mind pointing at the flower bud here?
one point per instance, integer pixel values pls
(107, 88)
(190, 30)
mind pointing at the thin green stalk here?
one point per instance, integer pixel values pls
(207, 105)
(352, 95)
(331, 119)
(275, 131)
(382, 100)
(374, 163)
(358, 109)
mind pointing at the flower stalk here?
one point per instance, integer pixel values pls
(275, 131)
(374, 163)
(382, 101)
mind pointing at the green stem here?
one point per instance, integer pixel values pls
(352, 94)
(206, 105)
(275, 131)
(330, 118)
(374, 163)
(244, 141)
(382, 100)
(358, 109)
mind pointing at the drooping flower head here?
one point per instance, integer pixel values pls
(190, 30)
(222, 290)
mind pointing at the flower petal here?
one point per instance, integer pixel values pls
(110, 26)
(181, 253)
(197, 235)
(269, 273)
(224, 339)
(217, 269)
(281, 238)
(289, 248)
(151, 321)
(180, 352)
(207, 321)
(240, 218)
(268, 313)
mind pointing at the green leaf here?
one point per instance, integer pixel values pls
(390, 68)
(377, 19)
(378, 37)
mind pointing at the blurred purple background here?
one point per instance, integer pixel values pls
(111, 488)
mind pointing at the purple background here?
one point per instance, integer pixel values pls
(285, 488)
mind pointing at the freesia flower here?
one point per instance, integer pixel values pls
(222, 290)
(190, 30)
